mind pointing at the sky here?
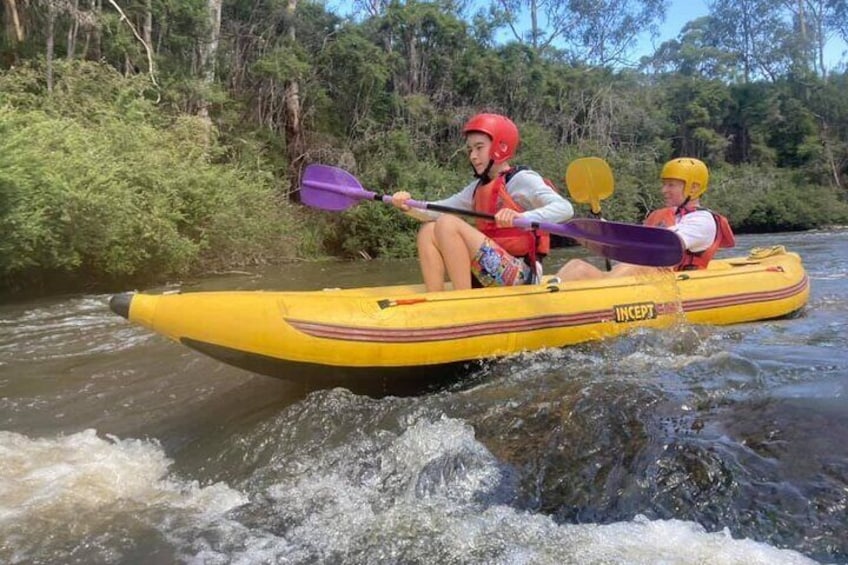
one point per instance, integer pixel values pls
(679, 13)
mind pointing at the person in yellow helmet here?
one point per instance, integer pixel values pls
(702, 231)
(491, 252)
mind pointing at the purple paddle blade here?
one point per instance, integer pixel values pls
(331, 188)
(631, 243)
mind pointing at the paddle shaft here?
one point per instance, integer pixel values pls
(597, 216)
(387, 199)
(330, 188)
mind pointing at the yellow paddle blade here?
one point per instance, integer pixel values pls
(589, 180)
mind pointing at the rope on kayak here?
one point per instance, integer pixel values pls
(770, 269)
(391, 302)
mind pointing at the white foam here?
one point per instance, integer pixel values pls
(64, 476)
(341, 511)
(339, 506)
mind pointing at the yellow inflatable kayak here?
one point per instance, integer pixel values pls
(367, 330)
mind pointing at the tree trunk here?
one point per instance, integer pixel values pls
(73, 30)
(294, 130)
(51, 21)
(802, 24)
(147, 28)
(93, 37)
(208, 57)
(805, 41)
(805, 47)
(14, 21)
(534, 23)
(828, 153)
(821, 40)
(413, 63)
(214, 39)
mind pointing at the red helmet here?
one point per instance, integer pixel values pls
(500, 129)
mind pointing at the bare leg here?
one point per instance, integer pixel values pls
(579, 270)
(430, 258)
(458, 242)
(447, 245)
(627, 270)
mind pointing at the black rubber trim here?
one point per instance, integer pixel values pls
(120, 304)
(372, 381)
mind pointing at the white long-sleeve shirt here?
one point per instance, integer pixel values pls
(697, 230)
(527, 188)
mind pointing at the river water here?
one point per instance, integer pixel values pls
(689, 445)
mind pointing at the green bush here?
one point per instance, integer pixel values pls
(125, 198)
(763, 199)
(379, 230)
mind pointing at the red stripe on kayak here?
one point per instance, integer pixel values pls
(411, 335)
(464, 331)
(746, 298)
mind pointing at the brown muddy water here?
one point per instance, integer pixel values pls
(691, 445)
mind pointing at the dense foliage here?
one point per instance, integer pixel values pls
(149, 139)
(107, 191)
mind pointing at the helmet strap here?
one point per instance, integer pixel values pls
(683, 206)
(484, 176)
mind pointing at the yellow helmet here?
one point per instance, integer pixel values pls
(691, 172)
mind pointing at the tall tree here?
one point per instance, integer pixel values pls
(600, 32)
(293, 110)
(698, 108)
(208, 53)
(51, 42)
(549, 20)
(756, 32)
(607, 30)
(370, 8)
(14, 25)
(838, 19)
(695, 53)
(815, 21)
(355, 72)
(73, 30)
(750, 107)
(831, 107)
(423, 38)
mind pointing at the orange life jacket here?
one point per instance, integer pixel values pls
(667, 217)
(531, 245)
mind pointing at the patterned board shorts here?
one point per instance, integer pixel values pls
(493, 266)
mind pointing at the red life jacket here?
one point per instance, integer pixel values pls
(531, 245)
(667, 217)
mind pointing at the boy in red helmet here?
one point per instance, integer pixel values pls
(493, 252)
(702, 231)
